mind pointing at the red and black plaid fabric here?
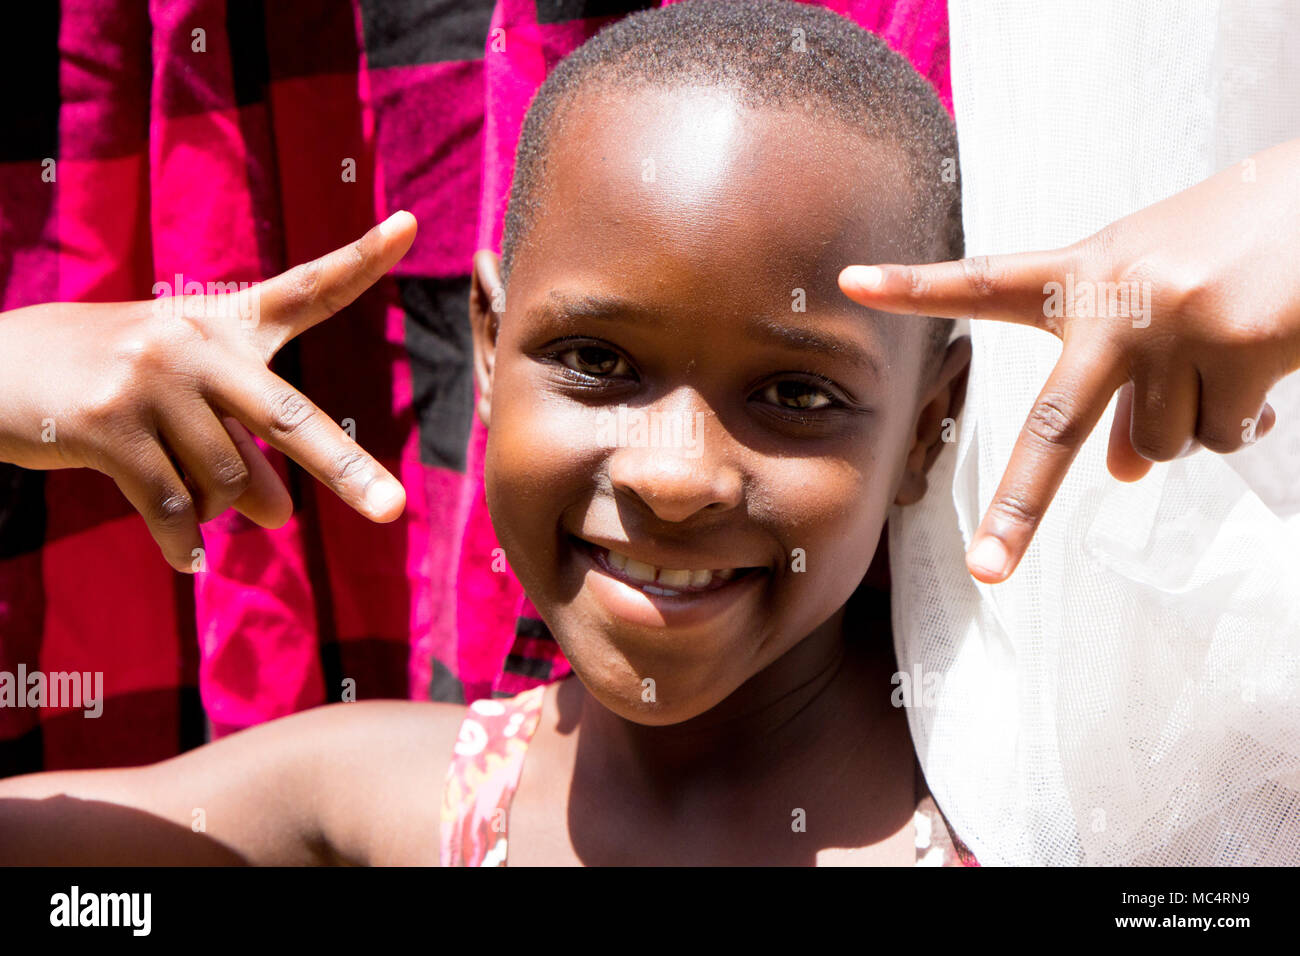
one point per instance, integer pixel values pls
(214, 139)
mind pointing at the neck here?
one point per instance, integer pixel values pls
(774, 718)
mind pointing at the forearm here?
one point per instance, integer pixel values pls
(93, 818)
(226, 803)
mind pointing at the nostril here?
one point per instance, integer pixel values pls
(674, 495)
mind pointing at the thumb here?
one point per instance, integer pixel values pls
(292, 302)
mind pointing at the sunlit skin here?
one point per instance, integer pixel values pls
(764, 715)
(674, 297)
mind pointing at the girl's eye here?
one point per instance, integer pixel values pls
(801, 396)
(594, 361)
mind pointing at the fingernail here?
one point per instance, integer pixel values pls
(990, 556)
(382, 495)
(864, 277)
(392, 223)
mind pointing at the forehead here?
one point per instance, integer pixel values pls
(674, 191)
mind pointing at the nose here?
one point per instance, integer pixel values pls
(676, 459)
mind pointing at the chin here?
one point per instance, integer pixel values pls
(652, 687)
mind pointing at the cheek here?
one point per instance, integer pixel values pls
(541, 452)
(833, 509)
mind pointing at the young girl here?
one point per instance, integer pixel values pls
(694, 440)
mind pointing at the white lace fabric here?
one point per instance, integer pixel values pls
(1132, 694)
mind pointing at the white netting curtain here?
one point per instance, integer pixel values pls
(1132, 694)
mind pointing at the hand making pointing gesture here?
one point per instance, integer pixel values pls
(161, 395)
(1190, 307)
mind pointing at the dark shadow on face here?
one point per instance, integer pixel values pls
(678, 380)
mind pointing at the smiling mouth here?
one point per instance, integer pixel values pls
(661, 582)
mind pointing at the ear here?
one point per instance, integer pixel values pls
(940, 406)
(487, 298)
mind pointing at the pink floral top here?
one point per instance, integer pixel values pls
(489, 757)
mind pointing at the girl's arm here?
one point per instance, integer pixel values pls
(352, 783)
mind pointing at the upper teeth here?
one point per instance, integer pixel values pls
(668, 577)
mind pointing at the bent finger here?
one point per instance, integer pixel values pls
(1230, 416)
(212, 467)
(1122, 459)
(1267, 419)
(1064, 415)
(1166, 402)
(156, 491)
(266, 501)
(282, 416)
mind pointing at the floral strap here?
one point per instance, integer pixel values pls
(483, 776)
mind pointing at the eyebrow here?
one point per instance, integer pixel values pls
(586, 305)
(810, 340)
(804, 339)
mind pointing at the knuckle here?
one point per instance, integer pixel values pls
(160, 348)
(980, 279)
(1218, 439)
(133, 451)
(1149, 433)
(305, 282)
(359, 256)
(97, 451)
(1101, 245)
(1143, 269)
(1153, 444)
(364, 260)
(1052, 421)
(1016, 509)
(173, 509)
(917, 284)
(1177, 289)
(980, 275)
(102, 409)
(232, 476)
(1191, 295)
(288, 412)
(143, 353)
(110, 424)
(1234, 331)
(345, 466)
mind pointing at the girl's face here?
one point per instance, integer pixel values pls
(694, 436)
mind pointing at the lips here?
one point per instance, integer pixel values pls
(660, 581)
(633, 592)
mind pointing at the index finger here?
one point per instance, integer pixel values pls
(1064, 415)
(1010, 288)
(307, 295)
(279, 414)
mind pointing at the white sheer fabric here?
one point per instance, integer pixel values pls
(1132, 694)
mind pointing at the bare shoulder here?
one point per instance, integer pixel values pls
(385, 729)
(368, 736)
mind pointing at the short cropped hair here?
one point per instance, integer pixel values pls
(753, 50)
